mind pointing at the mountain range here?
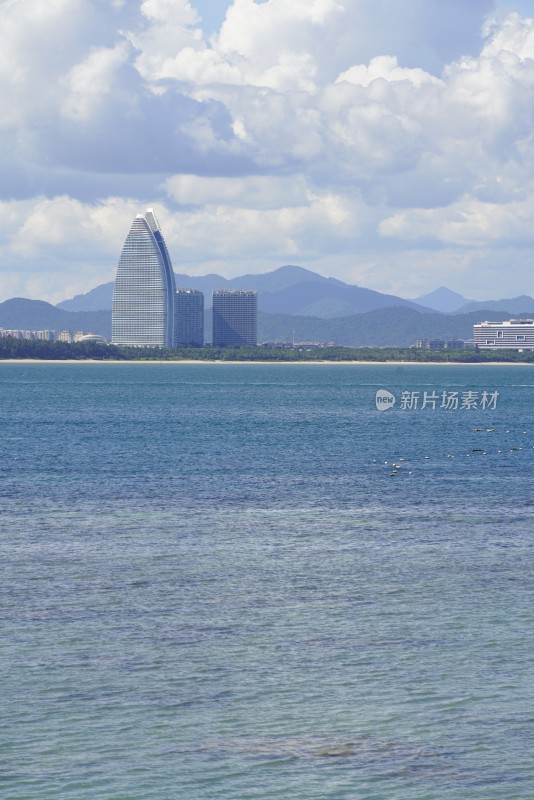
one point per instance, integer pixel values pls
(295, 303)
(297, 291)
(287, 290)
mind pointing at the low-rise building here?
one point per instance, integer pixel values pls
(440, 344)
(512, 334)
(95, 338)
(14, 333)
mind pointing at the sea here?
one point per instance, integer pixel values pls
(247, 582)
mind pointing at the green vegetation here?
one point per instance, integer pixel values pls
(21, 348)
(344, 354)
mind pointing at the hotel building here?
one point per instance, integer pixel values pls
(143, 296)
(234, 317)
(189, 317)
(513, 334)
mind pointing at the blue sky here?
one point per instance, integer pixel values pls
(213, 13)
(523, 7)
(389, 143)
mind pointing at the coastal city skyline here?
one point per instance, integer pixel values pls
(385, 145)
(148, 310)
(143, 308)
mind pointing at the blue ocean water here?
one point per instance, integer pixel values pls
(213, 586)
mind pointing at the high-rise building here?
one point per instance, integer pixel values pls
(143, 297)
(234, 317)
(189, 317)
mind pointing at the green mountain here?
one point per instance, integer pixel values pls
(34, 315)
(393, 327)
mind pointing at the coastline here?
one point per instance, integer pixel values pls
(282, 363)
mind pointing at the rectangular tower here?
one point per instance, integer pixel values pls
(234, 317)
(189, 318)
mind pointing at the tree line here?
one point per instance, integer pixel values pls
(11, 348)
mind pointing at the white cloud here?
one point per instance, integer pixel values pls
(88, 237)
(250, 192)
(336, 132)
(386, 67)
(172, 12)
(171, 26)
(469, 222)
(89, 82)
(513, 35)
(199, 67)
(34, 52)
(35, 227)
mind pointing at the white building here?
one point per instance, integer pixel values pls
(513, 334)
(143, 295)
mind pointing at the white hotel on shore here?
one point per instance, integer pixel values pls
(513, 334)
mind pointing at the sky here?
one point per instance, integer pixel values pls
(388, 143)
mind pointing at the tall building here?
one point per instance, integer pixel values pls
(234, 317)
(189, 317)
(143, 297)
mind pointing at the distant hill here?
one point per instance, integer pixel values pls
(329, 301)
(279, 279)
(443, 299)
(449, 302)
(286, 290)
(516, 305)
(276, 281)
(395, 327)
(38, 315)
(98, 299)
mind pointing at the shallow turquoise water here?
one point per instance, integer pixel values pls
(212, 587)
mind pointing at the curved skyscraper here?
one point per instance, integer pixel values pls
(143, 296)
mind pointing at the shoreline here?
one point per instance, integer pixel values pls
(282, 363)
